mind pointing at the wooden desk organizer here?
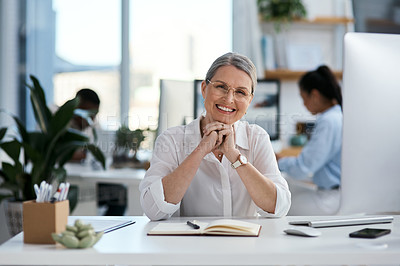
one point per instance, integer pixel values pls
(43, 218)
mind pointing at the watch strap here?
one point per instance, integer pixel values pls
(238, 162)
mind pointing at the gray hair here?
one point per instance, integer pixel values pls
(239, 61)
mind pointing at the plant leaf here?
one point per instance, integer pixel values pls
(32, 153)
(37, 143)
(38, 99)
(3, 132)
(22, 130)
(20, 125)
(98, 154)
(11, 171)
(12, 149)
(63, 116)
(60, 175)
(74, 135)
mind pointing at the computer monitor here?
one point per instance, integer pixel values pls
(198, 99)
(176, 103)
(263, 110)
(371, 124)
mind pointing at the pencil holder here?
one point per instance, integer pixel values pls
(40, 219)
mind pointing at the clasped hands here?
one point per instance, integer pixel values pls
(217, 135)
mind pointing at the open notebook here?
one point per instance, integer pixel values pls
(344, 221)
(217, 227)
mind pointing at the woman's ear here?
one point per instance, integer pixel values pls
(315, 94)
(251, 98)
(203, 88)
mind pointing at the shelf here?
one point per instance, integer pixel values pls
(285, 74)
(332, 20)
(328, 20)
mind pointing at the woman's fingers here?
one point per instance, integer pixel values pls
(209, 142)
(220, 138)
(223, 133)
(214, 126)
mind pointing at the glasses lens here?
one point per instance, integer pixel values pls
(222, 89)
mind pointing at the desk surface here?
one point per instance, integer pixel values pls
(86, 179)
(123, 175)
(131, 246)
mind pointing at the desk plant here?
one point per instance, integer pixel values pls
(127, 144)
(281, 12)
(41, 155)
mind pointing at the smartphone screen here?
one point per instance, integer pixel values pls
(370, 233)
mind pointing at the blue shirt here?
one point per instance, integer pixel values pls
(321, 156)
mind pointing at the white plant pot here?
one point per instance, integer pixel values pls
(13, 213)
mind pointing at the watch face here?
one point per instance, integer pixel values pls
(243, 159)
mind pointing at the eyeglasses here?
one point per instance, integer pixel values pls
(222, 89)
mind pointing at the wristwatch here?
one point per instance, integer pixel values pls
(242, 160)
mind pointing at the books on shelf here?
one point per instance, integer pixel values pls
(221, 227)
(303, 56)
(268, 51)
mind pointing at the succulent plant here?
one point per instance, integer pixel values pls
(79, 235)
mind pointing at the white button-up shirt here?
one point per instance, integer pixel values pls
(216, 189)
(321, 156)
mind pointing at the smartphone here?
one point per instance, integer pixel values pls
(370, 233)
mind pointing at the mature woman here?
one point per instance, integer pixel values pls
(321, 156)
(217, 165)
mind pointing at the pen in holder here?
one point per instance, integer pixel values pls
(40, 219)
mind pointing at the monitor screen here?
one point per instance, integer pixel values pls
(371, 124)
(198, 99)
(263, 110)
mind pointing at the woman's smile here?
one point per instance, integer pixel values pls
(225, 109)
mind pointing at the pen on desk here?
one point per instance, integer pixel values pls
(195, 226)
(113, 228)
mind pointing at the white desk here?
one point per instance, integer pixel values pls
(131, 246)
(88, 179)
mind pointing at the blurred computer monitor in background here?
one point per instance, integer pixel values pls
(176, 104)
(264, 109)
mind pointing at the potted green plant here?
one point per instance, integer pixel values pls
(41, 155)
(127, 144)
(281, 12)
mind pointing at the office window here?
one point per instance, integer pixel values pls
(175, 39)
(88, 53)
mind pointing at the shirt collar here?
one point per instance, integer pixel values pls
(241, 135)
(333, 109)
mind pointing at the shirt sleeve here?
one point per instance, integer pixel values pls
(314, 155)
(265, 162)
(163, 162)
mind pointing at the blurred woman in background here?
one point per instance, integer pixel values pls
(320, 158)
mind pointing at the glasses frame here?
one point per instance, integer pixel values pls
(230, 88)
